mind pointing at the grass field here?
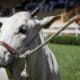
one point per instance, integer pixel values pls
(68, 58)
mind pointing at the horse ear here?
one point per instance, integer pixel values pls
(47, 21)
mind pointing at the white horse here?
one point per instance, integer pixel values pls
(21, 33)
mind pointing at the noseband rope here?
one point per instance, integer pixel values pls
(8, 47)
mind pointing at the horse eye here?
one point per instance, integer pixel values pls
(0, 25)
(22, 30)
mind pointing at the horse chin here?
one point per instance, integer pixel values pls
(6, 59)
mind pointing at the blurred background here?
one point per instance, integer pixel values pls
(48, 7)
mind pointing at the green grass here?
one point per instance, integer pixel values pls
(68, 57)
